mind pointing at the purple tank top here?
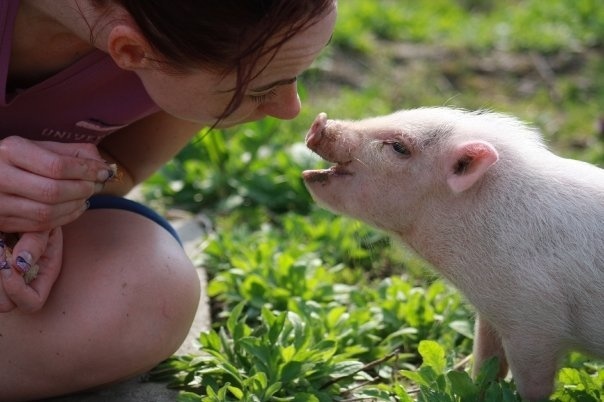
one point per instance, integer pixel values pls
(83, 103)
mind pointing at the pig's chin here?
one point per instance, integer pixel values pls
(324, 175)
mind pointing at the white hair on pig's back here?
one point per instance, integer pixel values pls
(497, 128)
(437, 130)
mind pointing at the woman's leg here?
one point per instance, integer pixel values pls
(124, 301)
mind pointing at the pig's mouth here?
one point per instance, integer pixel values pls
(322, 175)
(314, 139)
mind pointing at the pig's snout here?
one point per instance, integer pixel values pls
(325, 138)
(330, 140)
(313, 137)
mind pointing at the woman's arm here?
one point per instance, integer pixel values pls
(143, 147)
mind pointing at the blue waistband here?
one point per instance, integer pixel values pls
(114, 202)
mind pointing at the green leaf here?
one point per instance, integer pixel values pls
(433, 355)
(276, 326)
(290, 371)
(304, 397)
(233, 325)
(261, 353)
(509, 395)
(188, 397)
(234, 374)
(271, 390)
(347, 368)
(257, 383)
(425, 376)
(237, 392)
(210, 340)
(463, 327)
(488, 373)
(462, 385)
(288, 353)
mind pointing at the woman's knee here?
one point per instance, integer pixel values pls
(158, 302)
(147, 289)
(149, 321)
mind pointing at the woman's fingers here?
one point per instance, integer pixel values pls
(23, 215)
(55, 160)
(46, 184)
(46, 190)
(44, 249)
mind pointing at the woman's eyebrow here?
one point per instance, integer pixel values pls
(274, 84)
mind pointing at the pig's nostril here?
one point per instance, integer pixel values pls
(319, 124)
(316, 130)
(313, 138)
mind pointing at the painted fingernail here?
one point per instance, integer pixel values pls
(23, 262)
(104, 175)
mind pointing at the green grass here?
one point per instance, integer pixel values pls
(308, 306)
(475, 24)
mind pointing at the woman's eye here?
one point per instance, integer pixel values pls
(400, 148)
(260, 99)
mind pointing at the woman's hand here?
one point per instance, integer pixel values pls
(42, 248)
(45, 185)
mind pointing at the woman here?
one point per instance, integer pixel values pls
(90, 83)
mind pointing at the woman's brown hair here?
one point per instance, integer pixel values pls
(222, 35)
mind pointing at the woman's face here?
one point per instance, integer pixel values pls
(203, 96)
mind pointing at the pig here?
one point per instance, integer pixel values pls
(518, 230)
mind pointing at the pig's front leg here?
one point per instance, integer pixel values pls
(533, 360)
(487, 344)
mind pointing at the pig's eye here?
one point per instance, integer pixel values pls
(399, 147)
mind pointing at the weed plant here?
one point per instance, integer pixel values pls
(308, 306)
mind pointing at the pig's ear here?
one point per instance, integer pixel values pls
(468, 162)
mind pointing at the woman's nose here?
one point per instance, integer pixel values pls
(286, 105)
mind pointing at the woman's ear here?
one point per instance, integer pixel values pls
(128, 48)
